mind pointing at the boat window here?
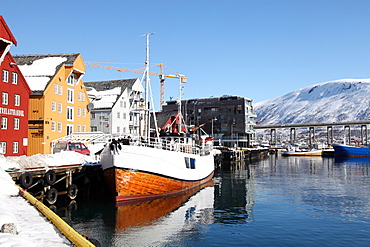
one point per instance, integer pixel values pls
(187, 162)
(192, 163)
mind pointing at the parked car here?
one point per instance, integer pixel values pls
(78, 147)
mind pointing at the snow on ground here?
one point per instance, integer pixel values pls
(32, 227)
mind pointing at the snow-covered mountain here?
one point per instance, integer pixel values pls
(334, 101)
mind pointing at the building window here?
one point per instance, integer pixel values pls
(83, 128)
(4, 123)
(72, 79)
(124, 115)
(53, 106)
(60, 107)
(79, 111)
(14, 78)
(81, 96)
(4, 98)
(15, 147)
(69, 129)
(2, 147)
(118, 129)
(60, 126)
(70, 113)
(56, 87)
(60, 91)
(118, 115)
(16, 123)
(17, 100)
(93, 128)
(5, 76)
(121, 103)
(92, 115)
(70, 95)
(83, 112)
(78, 128)
(52, 126)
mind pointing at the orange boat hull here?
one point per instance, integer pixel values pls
(129, 185)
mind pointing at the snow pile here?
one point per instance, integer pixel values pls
(31, 228)
(334, 101)
(39, 72)
(44, 160)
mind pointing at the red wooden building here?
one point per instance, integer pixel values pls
(14, 97)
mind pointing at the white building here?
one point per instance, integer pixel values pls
(115, 105)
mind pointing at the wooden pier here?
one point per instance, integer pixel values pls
(47, 183)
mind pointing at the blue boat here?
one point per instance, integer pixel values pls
(351, 151)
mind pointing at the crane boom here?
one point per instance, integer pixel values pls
(161, 75)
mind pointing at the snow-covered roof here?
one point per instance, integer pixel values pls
(106, 93)
(106, 99)
(40, 69)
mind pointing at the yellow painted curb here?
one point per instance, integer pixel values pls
(67, 230)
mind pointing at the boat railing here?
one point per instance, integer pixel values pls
(177, 145)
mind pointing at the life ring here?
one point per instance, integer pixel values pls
(26, 180)
(51, 196)
(50, 177)
(72, 191)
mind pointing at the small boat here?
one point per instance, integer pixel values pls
(158, 163)
(351, 151)
(300, 152)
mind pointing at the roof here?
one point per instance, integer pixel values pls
(40, 69)
(6, 33)
(108, 85)
(162, 118)
(106, 93)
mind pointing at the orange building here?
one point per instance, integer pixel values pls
(58, 104)
(14, 95)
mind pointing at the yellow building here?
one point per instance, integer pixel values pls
(59, 103)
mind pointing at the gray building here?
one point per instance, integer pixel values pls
(115, 106)
(230, 119)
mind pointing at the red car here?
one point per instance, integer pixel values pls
(78, 147)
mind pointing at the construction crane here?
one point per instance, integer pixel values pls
(162, 76)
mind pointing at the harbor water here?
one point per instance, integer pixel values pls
(277, 201)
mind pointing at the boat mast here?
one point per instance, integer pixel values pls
(147, 81)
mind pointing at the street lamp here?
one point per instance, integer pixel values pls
(213, 119)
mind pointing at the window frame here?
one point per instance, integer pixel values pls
(4, 98)
(15, 147)
(5, 76)
(4, 123)
(17, 100)
(17, 122)
(15, 78)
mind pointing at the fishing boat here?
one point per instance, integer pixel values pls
(164, 160)
(291, 151)
(351, 151)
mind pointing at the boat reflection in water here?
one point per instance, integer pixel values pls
(151, 223)
(362, 161)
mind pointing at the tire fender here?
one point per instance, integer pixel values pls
(50, 177)
(51, 196)
(26, 180)
(72, 191)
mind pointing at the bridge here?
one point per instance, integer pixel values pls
(311, 127)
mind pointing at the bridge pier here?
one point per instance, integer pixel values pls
(347, 135)
(364, 134)
(273, 137)
(311, 134)
(293, 135)
(330, 134)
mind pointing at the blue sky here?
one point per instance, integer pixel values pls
(259, 49)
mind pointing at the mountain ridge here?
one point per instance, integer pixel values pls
(342, 100)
